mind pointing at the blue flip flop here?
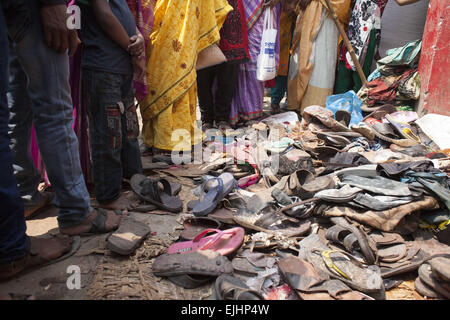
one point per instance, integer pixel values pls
(213, 191)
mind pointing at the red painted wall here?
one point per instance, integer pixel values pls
(434, 65)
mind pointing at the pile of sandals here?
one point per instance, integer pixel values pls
(312, 210)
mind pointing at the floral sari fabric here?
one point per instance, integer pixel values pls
(366, 16)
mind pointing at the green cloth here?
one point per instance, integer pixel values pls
(406, 55)
(277, 93)
(346, 79)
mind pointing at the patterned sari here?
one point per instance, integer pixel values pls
(182, 28)
(364, 33)
(143, 12)
(248, 100)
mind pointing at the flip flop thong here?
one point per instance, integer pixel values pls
(213, 194)
(230, 288)
(98, 224)
(223, 242)
(151, 191)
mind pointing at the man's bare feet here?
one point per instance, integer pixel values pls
(112, 222)
(41, 250)
(126, 202)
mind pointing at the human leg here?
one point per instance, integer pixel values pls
(205, 79)
(48, 87)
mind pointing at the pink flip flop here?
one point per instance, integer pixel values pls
(248, 181)
(223, 242)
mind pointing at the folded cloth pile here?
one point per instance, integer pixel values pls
(395, 79)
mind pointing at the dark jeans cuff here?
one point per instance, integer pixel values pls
(74, 220)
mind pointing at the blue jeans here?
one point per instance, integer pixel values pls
(39, 95)
(13, 240)
(113, 130)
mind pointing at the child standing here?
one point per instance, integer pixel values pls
(111, 44)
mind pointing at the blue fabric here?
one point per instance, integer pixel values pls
(13, 240)
(347, 101)
(366, 144)
(20, 123)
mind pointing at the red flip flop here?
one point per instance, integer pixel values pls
(223, 242)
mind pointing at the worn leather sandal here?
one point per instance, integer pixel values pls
(356, 239)
(304, 279)
(157, 192)
(200, 263)
(127, 237)
(426, 276)
(227, 287)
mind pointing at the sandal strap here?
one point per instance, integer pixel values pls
(337, 233)
(350, 242)
(227, 292)
(330, 264)
(98, 224)
(204, 185)
(212, 241)
(167, 187)
(150, 189)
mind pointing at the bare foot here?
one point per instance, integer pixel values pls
(41, 250)
(124, 203)
(112, 222)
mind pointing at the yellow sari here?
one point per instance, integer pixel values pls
(182, 28)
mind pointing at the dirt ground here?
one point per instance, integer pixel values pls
(105, 275)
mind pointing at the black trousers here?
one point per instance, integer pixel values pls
(216, 105)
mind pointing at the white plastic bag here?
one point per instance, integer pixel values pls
(436, 127)
(266, 68)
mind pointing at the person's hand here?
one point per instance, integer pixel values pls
(56, 33)
(136, 47)
(74, 42)
(138, 65)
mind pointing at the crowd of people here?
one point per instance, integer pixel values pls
(69, 99)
